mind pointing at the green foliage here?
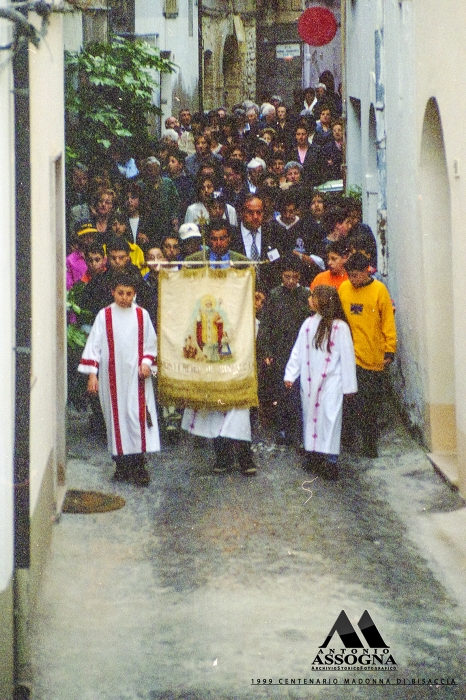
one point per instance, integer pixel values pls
(76, 338)
(109, 96)
(355, 191)
(77, 316)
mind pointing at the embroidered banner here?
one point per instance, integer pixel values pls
(206, 335)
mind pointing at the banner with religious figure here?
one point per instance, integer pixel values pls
(206, 336)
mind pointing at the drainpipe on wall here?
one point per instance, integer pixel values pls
(200, 56)
(381, 145)
(22, 675)
(343, 82)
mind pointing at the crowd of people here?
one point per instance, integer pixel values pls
(224, 187)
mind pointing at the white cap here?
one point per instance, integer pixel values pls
(152, 159)
(189, 231)
(171, 134)
(257, 163)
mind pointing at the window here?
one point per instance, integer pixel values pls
(190, 18)
(170, 9)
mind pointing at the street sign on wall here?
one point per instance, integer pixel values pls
(287, 51)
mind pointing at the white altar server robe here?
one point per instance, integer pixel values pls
(120, 340)
(325, 377)
(234, 423)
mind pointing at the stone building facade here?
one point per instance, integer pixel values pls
(285, 63)
(229, 52)
(251, 49)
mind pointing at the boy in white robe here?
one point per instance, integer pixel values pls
(120, 350)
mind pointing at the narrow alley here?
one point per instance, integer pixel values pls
(203, 584)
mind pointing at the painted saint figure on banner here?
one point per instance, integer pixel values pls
(209, 340)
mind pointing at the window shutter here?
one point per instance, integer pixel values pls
(170, 9)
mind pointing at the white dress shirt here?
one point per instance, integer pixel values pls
(247, 240)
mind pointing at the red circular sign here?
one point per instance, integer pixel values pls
(317, 26)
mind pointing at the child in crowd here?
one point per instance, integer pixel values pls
(287, 205)
(323, 357)
(219, 209)
(118, 356)
(96, 265)
(338, 253)
(76, 265)
(335, 224)
(190, 239)
(318, 205)
(96, 262)
(97, 293)
(282, 317)
(119, 225)
(369, 310)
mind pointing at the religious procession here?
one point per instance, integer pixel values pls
(223, 288)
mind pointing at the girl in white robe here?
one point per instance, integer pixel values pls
(323, 358)
(121, 348)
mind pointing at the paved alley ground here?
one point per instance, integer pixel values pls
(203, 584)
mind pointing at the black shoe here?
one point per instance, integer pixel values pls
(140, 477)
(313, 462)
(249, 469)
(121, 475)
(219, 469)
(329, 471)
(122, 470)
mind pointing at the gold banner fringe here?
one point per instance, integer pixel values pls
(212, 396)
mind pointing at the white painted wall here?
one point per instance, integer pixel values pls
(7, 308)
(73, 31)
(173, 36)
(403, 240)
(424, 54)
(441, 76)
(47, 145)
(403, 220)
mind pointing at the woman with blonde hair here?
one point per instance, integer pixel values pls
(102, 209)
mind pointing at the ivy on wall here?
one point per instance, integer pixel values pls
(108, 94)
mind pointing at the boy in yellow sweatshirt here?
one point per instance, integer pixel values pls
(369, 311)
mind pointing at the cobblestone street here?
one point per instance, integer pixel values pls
(202, 583)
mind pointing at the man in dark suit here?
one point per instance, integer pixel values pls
(259, 241)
